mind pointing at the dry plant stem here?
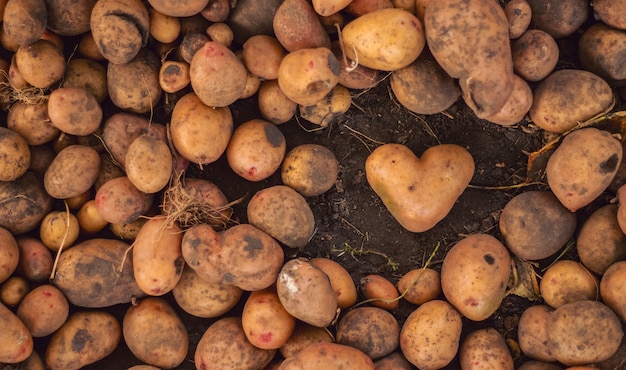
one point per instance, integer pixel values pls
(355, 62)
(568, 246)
(67, 230)
(506, 187)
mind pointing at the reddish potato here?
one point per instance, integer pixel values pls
(265, 321)
(372, 330)
(340, 280)
(119, 201)
(420, 285)
(532, 335)
(328, 356)
(43, 310)
(519, 15)
(601, 242)
(149, 164)
(380, 291)
(35, 259)
(535, 55)
(297, 26)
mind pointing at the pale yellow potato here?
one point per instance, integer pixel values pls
(9, 254)
(220, 32)
(149, 164)
(14, 155)
(89, 219)
(164, 28)
(340, 280)
(59, 229)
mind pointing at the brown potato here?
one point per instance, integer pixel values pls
(253, 84)
(333, 105)
(558, 18)
(394, 361)
(535, 225)
(121, 129)
(24, 21)
(72, 172)
(519, 15)
(43, 310)
(16, 343)
(174, 76)
(201, 298)
(599, 50)
(134, 86)
(128, 231)
(41, 63)
(487, 348)
(284, 214)
(89, 219)
(119, 201)
(380, 291)
(74, 110)
(340, 280)
(14, 155)
(86, 337)
(601, 242)
(224, 346)
(23, 203)
(531, 333)
(192, 42)
(310, 169)
(612, 288)
(178, 9)
(94, 273)
(582, 166)
(59, 229)
(35, 259)
(164, 28)
(87, 47)
(329, 356)
(13, 290)
(372, 330)
(262, 55)
(583, 332)
(485, 265)
(303, 336)
(535, 55)
(420, 285)
(274, 105)
(88, 74)
(69, 18)
(306, 293)
(296, 26)
(516, 106)
(155, 334)
(220, 32)
(430, 335)
(265, 321)
(358, 8)
(568, 281)
(31, 121)
(149, 164)
(109, 169)
(216, 10)
(413, 188)
(9, 254)
(610, 12)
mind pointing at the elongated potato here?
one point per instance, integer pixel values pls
(420, 285)
(149, 164)
(16, 342)
(72, 172)
(9, 254)
(340, 280)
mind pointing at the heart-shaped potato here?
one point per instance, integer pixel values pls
(419, 192)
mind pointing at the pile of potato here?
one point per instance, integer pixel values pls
(96, 209)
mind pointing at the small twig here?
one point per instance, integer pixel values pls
(67, 230)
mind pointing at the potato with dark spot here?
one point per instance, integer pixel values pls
(23, 203)
(600, 241)
(69, 18)
(119, 201)
(485, 348)
(333, 105)
(372, 330)
(610, 12)
(328, 356)
(36, 259)
(284, 214)
(16, 343)
(14, 155)
(155, 334)
(519, 15)
(582, 166)
(297, 26)
(557, 17)
(531, 332)
(535, 54)
(43, 310)
(74, 110)
(310, 169)
(85, 338)
(601, 50)
(24, 21)
(535, 225)
(72, 172)
(174, 76)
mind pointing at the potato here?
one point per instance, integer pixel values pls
(149, 164)
(163, 28)
(192, 42)
(155, 334)
(16, 343)
(303, 336)
(40, 158)
(87, 48)
(567, 281)
(601, 242)
(262, 55)
(358, 8)
(43, 310)
(583, 332)
(485, 349)
(481, 60)
(31, 121)
(274, 105)
(14, 154)
(306, 293)
(134, 85)
(612, 288)
(24, 21)
(69, 18)
(193, 124)
(256, 150)
(127, 231)
(558, 18)
(74, 110)
(284, 214)
(265, 321)
(539, 365)
(352, 74)
(394, 361)
(242, 255)
(216, 10)
(333, 105)
(85, 338)
(372, 330)
(73, 171)
(177, 8)
(121, 129)
(224, 346)
(13, 290)
(143, 367)
(201, 298)
(119, 201)
(296, 26)
(535, 225)
(420, 285)
(557, 111)
(253, 84)
(75, 202)
(9, 254)
(221, 33)
(35, 262)
(610, 12)
(41, 63)
(531, 332)
(599, 50)
(419, 192)
(33, 362)
(59, 229)
(88, 74)
(423, 87)
(94, 273)
(217, 89)
(430, 335)
(326, 8)
(517, 105)
(380, 291)
(328, 356)
(174, 76)
(120, 29)
(582, 166)
(340, 280)
(89, 220)
(23, 203)
(519, 15)
(485, 265)
(535, 55)
(310, 169)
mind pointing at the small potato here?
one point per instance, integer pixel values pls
(262, 55)
(87, 47)
(149, 164)
(582, 166)
(24, 21)
(253, 84)
(555, 110)
(43, 310)
(89, 219)
(340, 280)
(413, 188)
(358, 8)
(613, 290)
(35, 259)
(127, 231)
(14, 155)
(380, 291)
(394, 361)
(155, 334)
(23, 203)
(601, 242)
(372, 330)
(600, 50)
(216, 10)
(303, 336)
(256, 150)
(75, 202)
(284, 214)
(224, 346)
(328, 356)
(174, 8)
(353, 75)
(174, 76)
(9, 254)
(31, 121)
(535, 55)
(485, 265)
(85, 338)
(121, 129)
(72, 172)
(485, 349)
(201, 298)
(558, 18)
(297, 26)
(307, 75)
(13, 290)
(420, 285)
(535, 225)
(610, 12)
(59, 229)
(430, 335)
(192, 42)
(333, 105)
(164, 28)
(74, 110)
(310, 169)
(33, 362)
(221, 33)
(119, 201)
(516, 106)
(41, 63)
(532, 335)
(583, 332)
(326, 8)
(265, 321)
(305, 292)
(193, 124)
(274, 105)
(16, 343)
(519, 15)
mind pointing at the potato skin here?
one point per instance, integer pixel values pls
(119, 202)
(41, 63)
(418, 198)
(23, 203)
(612, 290)
(72, 172)
(31, 121)
(519, 15)
(600, 50)
(516, 106)
(9, 254)
(380, 291)
(74, 110)
(558, 18)
(36, 260)
(310, 169)
(16, 342)
(43, 310)
(15, 155)
(149, 164)
(535, 54)
(485, 349)
(601, 242)
(24, 21)
(372, 330)
(532, 335)
(328, 356)
(265, 321)
(567, 281)
(340, 280)
(297, 26)
(610, 12)
(421, 285)
(175, 8)
(262, 55)
(134, 86)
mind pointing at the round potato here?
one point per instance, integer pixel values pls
(14, 155)
(87, 47)
(149, 164)
(420, 285)
(601, 242)
(72, 172)
(519, 15)
(134, 86)
(191, 43)
(516, 106)
(35, 259)
(340, 280)
(43, 310)
(174, 76)
(13, 290)
(297, 26)
(221, 33)
(358, 8)
(262, 55)
(89, 219)
(175, 8)
(274, 105)
(535, 55)
(599, 50)
(16, 343)
(487, 348)
(380, 291)
(74, 110)
(372, 330)
(329, 356)
(24, 21)
(59, 229)
(265, 321)
(69, 18)
(164, 28)
(121, 129)
(612, 288)
(310, 169)
(558, 18)
(23, 203)
(119, 201)
(531, 333)
(41, 63)
(9, 254)
(31, 121)
(304, 335)
(609, 12)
